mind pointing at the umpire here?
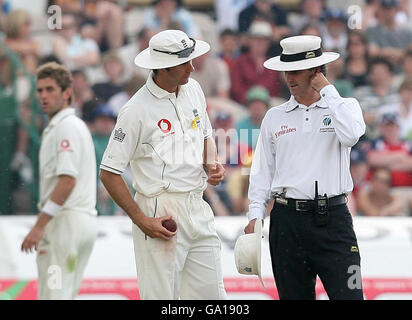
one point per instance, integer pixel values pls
(302, 161)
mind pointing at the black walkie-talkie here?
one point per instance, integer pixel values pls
(321, 207)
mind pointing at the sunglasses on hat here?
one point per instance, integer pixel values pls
(182, 53)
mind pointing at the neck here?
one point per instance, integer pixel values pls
(309, 98)
(51, 115)
(166, 85)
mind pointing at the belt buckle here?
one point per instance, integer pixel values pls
(297, 204)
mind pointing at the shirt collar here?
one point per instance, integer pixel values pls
(293, 104)
(59, 116)
(156, 90)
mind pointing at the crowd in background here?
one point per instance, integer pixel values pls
(99, 39)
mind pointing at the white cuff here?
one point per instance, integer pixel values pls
(253, 214)
(51, 208)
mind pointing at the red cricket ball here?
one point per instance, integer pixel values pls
(170, 225)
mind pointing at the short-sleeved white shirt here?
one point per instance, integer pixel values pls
(300, 144)
(162, 137)
(67, 149)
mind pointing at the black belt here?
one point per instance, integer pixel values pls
(309, 205)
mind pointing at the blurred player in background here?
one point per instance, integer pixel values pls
(66, 228)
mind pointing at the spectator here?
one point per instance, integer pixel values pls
(335, 76)
(359, 171)
(103, 121)
(377, 200)
(404, 108)
(109, 31)
(357, 59)
(18, 39)
(232, 153)
(406, 68)
(370, 14)
(114, 69)
(227, 13)
(268, 11)
(387, 39)
(117, 101)
(248, 69)
(310, 29)
(212, 75)
(229, 47)
(128, 52)
(311, 12)
(390, 151)
(163, 13)
(85, 100)
(73, 50)
(257, 101)
(380, 92)
(103, 20)
(335, 35)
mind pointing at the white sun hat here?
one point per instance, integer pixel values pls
(300, 53)
(170, 48)
(248, 250)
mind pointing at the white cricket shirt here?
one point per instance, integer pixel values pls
(67, 149)
(162, 137)
(299, 144)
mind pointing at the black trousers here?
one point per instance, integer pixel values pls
(301, 250)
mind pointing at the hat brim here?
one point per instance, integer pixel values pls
(277, 65)
(258, 231)
(145, 60)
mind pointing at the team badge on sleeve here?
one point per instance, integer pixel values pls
(119, 135)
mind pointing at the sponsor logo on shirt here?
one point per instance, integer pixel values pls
(166, 127)
(326, 123)
(284, 129)
(119, 135)
(65, 145)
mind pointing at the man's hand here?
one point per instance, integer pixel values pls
(215, 172)
(154, 229)
(250, 228)
(319, 81)
(36, 233)
(32, 239)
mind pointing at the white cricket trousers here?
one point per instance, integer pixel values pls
(188, 266)
(63, 254)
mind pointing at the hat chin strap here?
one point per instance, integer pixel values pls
(301, 56)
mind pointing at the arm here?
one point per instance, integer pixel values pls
(349, 123)
(119, 191)
(61, 192)
(215, 170)
(387, 159)
(365, 204)
(261, 175)
(395, 208)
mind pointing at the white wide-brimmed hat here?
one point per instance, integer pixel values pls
(170, 48)
(248, 249)
(300, 53)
